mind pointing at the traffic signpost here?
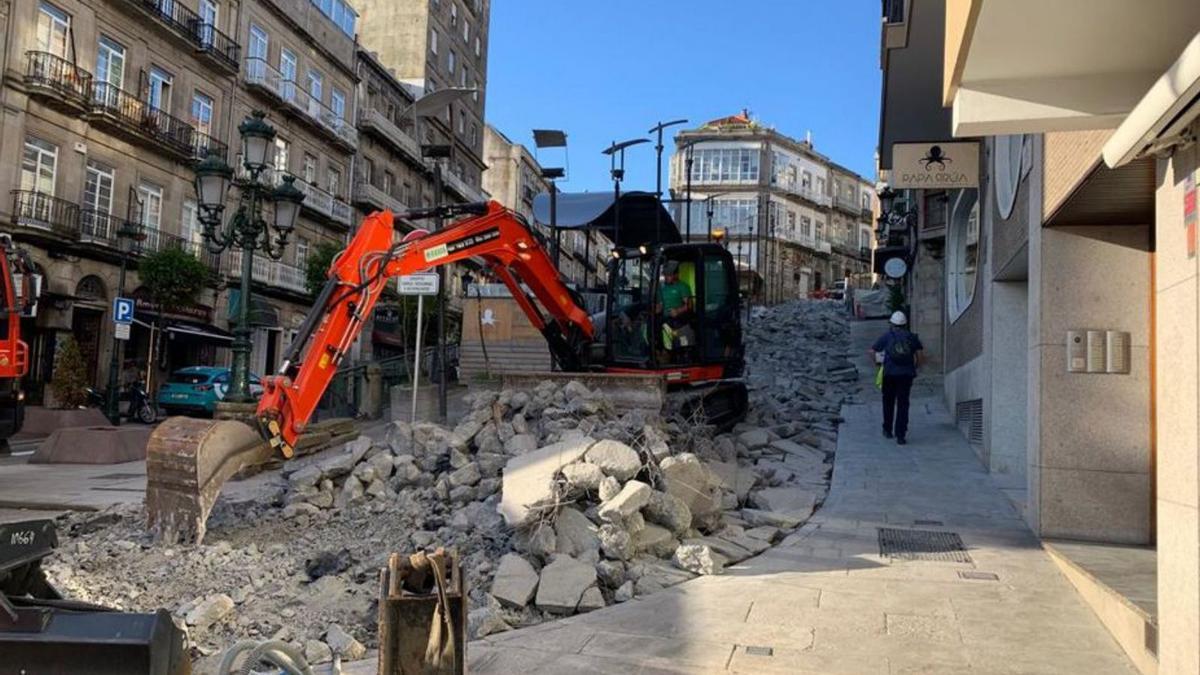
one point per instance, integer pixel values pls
(420, 285)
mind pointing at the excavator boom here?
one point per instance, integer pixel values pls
(188, 460)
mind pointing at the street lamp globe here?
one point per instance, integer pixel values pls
(257, 136)
(287, 198)
(212, 182)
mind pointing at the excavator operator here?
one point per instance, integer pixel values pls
(675, 304)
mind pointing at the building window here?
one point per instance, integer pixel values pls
(302, 247)
(334, 181)
(189, 224)
(1007, 156)
(368, 169)
(893, 11)
(287, 74)
(474, 137)
(735, 216)
(53, 29)
(389, 182)
(467, 32)
(39, 165)
(150, 198)
(110, 65)
(806, 180)
(820, 185)
(453, 14)
(450, 63)
(310, 169)
(478, 51)
(736, 165)
(962, 251)
(316, 84)
(281, 154)
(202, 113)
(806, 229)
(462, 80)
(259, 43)
(864, 238)
(337, 102)
(98, 188)
(433, 41)
(160, 88)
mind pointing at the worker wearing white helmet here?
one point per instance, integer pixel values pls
(898, 351)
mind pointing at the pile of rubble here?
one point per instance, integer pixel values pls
(557, 503)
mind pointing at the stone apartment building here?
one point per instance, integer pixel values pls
(1059, 291)
(432, 45)
(794, 220)
(109, 103)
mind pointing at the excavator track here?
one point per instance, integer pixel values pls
(187, 462)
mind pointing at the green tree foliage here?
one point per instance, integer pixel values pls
(316, 265)
(173, 277)
(70, 381)
(896, 301)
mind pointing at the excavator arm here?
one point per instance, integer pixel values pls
(359, 274)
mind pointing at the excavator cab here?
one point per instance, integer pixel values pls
(674, 310)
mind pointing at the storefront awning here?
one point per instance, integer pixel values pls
(1162, 116)
(198, 331)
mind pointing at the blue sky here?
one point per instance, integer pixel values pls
(605, 70)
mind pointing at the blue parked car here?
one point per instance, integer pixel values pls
(196, 390)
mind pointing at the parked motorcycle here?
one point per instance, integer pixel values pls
(132, 402)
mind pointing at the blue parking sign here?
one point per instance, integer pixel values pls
(123, 310)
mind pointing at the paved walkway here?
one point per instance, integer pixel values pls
(825, 601)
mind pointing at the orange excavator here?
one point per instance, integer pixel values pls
(671, 311)
(17, 293)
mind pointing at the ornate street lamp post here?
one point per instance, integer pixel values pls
(246, 229)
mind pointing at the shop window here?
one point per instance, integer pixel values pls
(962, 259)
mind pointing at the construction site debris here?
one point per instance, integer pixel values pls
(557, 501)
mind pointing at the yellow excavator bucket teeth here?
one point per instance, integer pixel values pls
(187, 462)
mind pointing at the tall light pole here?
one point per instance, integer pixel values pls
(708, 211)
(430, 105)
(127, 233)
(246, 229)
(553, 138)
(689, 156)
(616, 168)
(658, 189)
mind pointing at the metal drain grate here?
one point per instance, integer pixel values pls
(922, 545)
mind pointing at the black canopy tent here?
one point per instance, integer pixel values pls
(598, 211)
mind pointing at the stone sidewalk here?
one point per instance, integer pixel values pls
(826, 601)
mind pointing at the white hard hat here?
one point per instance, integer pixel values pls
(898, 319)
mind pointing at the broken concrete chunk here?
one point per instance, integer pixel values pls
(656, 541)
(687, 478)
(624, 593)
(722, 547)
(583, 477)
(734, 478)
(317, 652)
(467, 475)
(615, 542)
(797, 502)
(615, 459)
(609, 487)
(628, 501)
(343, 644)
(773, 518)
(563, 583)
(515, 581)
(669, 511)
(592, 599)
(309, 476)
(529, 479)
(575, 534)
(611, 573)
(209, 611)
(698, 559)
(755, 438)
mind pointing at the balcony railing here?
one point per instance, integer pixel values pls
(183, 22)
(40, 211)
(848, 204)
(374, 120)
(98, 227)
(266, 271)
(204, 145)
(51, 72)
(807, 192)
(374, 198)
(824, 247)
(324, 203)
(133, 114)
(264, 76)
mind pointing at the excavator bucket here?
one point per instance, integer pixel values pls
(187, 462)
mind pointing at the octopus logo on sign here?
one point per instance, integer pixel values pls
(935, 156)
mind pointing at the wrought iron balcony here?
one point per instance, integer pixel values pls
(373, 198)
(321, 202)
(824, 247)
(158, 240)
(299, 103)
(460, 187)
(98, 227)
(376, 122)
(266, 271)
(848, 204)
(127, 113)
(39, 211)
(187, 26)
(58, 80)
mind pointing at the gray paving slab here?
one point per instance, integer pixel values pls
(826, 601)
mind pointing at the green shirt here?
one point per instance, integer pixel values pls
(674, 295)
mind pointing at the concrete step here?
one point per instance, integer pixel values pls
(1104, 574)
